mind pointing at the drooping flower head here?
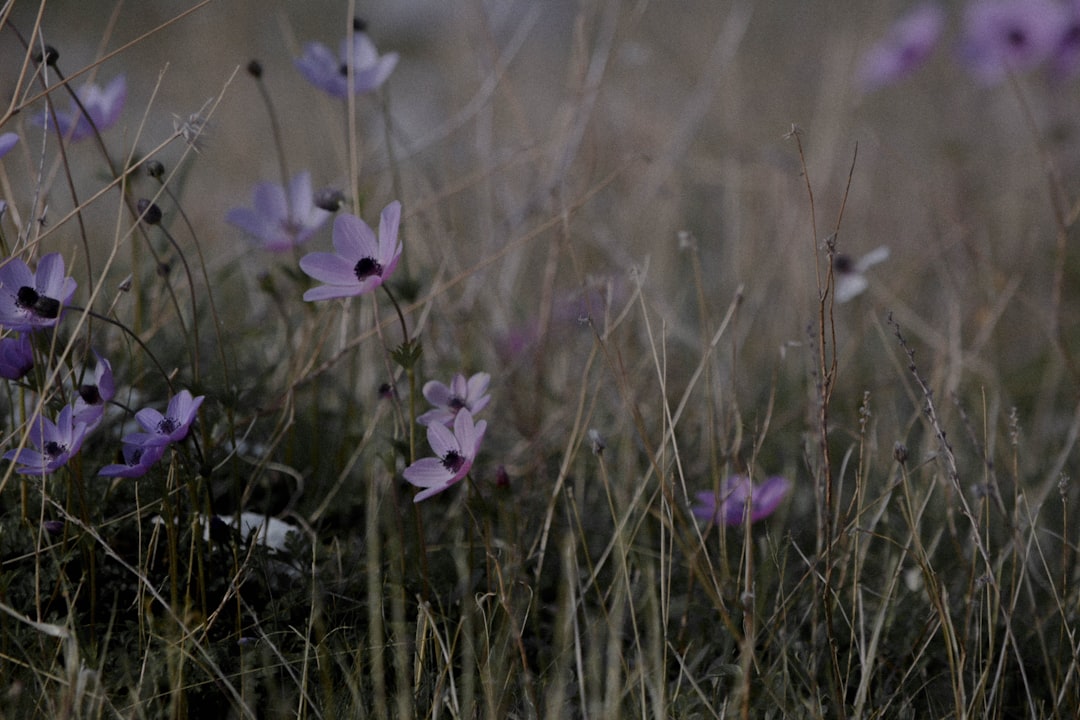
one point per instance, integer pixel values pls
(96, 390)
(728, 505)
(330, 73)
(454, 455)
(1003, 36)
(461, 394)
(29, 301)
(16, 356)
(280, 221)
(7, 141)
(103, 105)
(362, 262)
(171, 427)
(908, 44)
(136, 460)
(56, 442)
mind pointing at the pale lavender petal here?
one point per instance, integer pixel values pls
(330, 268)
(353, 238)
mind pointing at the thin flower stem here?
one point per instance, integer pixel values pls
(132, 335)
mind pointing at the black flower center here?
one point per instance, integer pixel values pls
(90, 394)
(343, 69)
(167, 425)
(842, 264)
(367, 267)
(457, 403)
(41, 305)
(54, 449)
(1016, 38)
(453, 461)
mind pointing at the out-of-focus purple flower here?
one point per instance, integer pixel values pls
(16, 356)
(57, 442)
(850, 278)
(103, 105)
(461, 394)
(7, 141)
(171, 427)
(29, 301)
(908, 44)
(1066, 58)
(136, 461)
(96, 390)
(362, 263)
(1002, 36)
(727, 506)
(280, 221)
(330, 73)
(454, 455)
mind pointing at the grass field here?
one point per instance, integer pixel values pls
(513, 360)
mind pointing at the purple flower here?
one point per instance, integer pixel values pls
(96, 390)
(331, 74)
(33, 300)
(171, 427)
(728, 505)
(454, 455)
(908, 44)
(16, 356)
(1066, 58)
(103, 107)
(362, 262)
(137, 460)
(279, 221)
(7, 141)
(462, 394)
(57, 443)
(1002, 36)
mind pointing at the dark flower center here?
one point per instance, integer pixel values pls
(1016, 38)
(167, 425)
(453, 461)
(367, 267)
(54, 449)
(456, 403)
(41, 305)
(343, 69)
(90, 394)
(842, 264)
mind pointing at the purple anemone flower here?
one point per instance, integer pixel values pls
(136, 461)
(102, 105)
(57, 442)
(7, 141)
(1066, 58)
(454, 455)
(16, 356)
(908, 44)
(330, 73)
(1002, 36)
(461, 394)
(362, 263)
(727, 506)
(29, 301)
(96, 390)
(281, 220)
(171, 427)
